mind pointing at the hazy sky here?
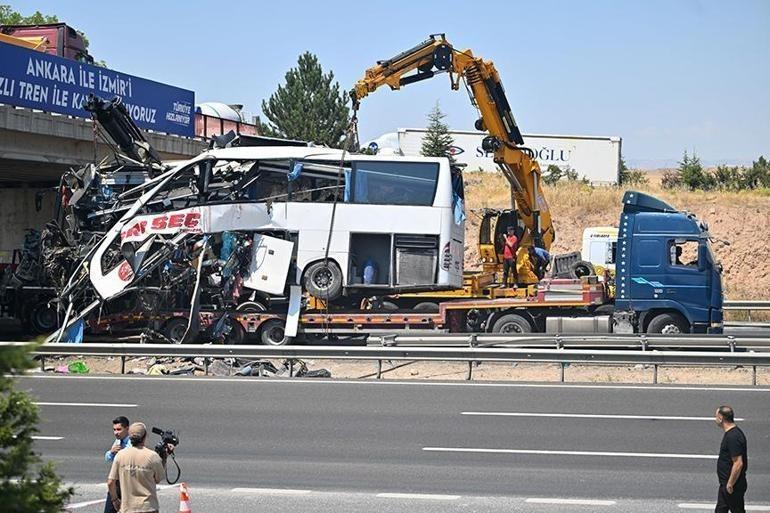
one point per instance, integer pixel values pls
(664, 75)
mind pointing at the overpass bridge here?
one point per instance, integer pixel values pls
(36, 148)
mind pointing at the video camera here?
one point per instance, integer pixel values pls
(167, 436)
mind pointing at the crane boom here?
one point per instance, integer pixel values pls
(436, 55)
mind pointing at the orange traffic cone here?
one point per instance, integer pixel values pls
(184, 499)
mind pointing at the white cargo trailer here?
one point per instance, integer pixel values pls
(595, 158)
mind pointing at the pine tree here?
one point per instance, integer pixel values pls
(26, 484)
(437, 142)
(308, 107)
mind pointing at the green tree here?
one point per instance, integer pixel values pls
(308, 107)
(554, 174)
(10, 17)
(437, 141)
(690, 174)
(631, 177)
(758, 175)
(26, 484)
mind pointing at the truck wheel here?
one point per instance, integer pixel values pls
(426, 306)
(175, 329)
(581, 268)
(324, 280)
(512, 323)
(272, 333)
(668, 324)
(43, 318)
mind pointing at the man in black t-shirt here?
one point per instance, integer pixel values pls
(732, 464)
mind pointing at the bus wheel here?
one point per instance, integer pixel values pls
(251, 307)
(426, 306)
(175, 329)
(272, 333)
(324, 280)
(512, 323)
(668, 324)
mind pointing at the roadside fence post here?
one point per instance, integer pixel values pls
(379, 369)
(655, 374)
(123, 364)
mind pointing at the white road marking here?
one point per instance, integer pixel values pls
(79, 505)
(271, 491)
(584, 416)
(40, 437)
(106, 405)
(575, 502)
(314, 381)
(574, 453)
(422, 496)
(710, 507)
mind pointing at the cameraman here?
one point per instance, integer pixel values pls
(139, 470)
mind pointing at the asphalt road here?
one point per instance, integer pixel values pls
(300, 444)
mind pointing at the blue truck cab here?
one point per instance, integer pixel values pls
(667, 277)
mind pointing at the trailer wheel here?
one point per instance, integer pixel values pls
(272, 333)
(43, 318)
(236, 334)
(581, 268)
(512, 323)
(175, 329)
(668, 324)
(324, 280)
(426, 306)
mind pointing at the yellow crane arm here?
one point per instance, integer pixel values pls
(436, 55)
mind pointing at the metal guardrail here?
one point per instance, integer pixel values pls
(451, 354)
(564, 341)
(746, 305)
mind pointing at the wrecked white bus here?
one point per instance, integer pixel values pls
(238, 225)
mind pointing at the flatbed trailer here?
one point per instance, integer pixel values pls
(503, 315)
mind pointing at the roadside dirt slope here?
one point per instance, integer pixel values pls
(742, 218)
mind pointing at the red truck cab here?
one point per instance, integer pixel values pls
(61, 39)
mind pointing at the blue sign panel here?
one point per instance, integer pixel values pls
(46, 82)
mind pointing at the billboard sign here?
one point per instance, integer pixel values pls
(49, 83)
